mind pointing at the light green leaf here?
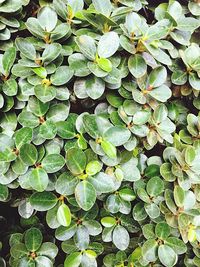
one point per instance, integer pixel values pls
(85, 195)
(76, 160)
(73, 260)
(137, 66)
(108, 44)
(28, 154)
(38, 179)
(43, 201)
(167, 256)
(121, 237)
(26, 48)
(87, 46)
(64, 215)
(53, 163)
(47, 18)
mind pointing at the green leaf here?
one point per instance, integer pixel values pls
(93, 167)
(190, 155)
(176, 244)
(162, 230)
(48, 130)
(117, 135)
(4, 192)
(48, 249)
(149, 250)
(157, 77)
(43, 201)
(179, 196)
(26, 48)
(53, 163)
(87, 46)
(105, 64)
(85, 195)
(51, 52)
(137, 66)
(109, 149)
(45, 93)
(161, 93)
(23, 136)
(62, 75)
(10, 87)
(47, 18)
(66, 183)
(155, 186)
(167, 256)
(94, 87)
(108, 44)
(18, 251)
(8, 59)
(102, 182)
(43, 261)
(76, 160)
(28, 154)
(108, 221)
(40, 71)
(121, 237)
(64, 215)
(127, 194)
(38, 179)
(104, 7)
(73, 260)
(33, 239)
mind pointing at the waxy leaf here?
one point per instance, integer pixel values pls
(85, 195)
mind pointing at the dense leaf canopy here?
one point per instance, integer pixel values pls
(99, 133)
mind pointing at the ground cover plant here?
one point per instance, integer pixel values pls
(99, 133)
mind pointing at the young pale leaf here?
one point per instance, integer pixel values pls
(64, 215)
(109, 149)
(105, 64)
(85, 194)
(41, 72)
(93, 167)
(73, 260)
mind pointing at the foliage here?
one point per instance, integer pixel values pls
(99, 133)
